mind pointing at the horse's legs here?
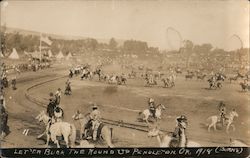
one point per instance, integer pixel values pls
(209, 127)
(215, 127)
(106, 134)
(57, 143)
(81, 132)
(228, 126)
(41, 135)
(48, 138)
(66, 139)
(233, 127)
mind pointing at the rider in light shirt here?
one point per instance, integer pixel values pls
(58, 95)
(222, 109)
(152, 107)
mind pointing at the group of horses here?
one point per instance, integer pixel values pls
(68, 131)
(168, 81)
(86, 73)
(167, 140)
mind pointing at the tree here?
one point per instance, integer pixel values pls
(188, 50)
(113, 44)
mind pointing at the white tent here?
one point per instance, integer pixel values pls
(69, 56)
(60, 55)
(50, 53)
(14, 54)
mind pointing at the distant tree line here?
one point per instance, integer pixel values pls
(203, 54)
(31, 43)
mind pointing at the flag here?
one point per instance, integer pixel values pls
(46, 40)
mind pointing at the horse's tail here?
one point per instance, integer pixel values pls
(72, 136)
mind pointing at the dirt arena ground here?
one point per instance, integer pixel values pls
(191, 98)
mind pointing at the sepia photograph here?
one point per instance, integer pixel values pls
(125, 74)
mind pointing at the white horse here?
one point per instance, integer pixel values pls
(112, 79)
(65, 129)
(228, 121)
(146, 113)
(105, 134)
(164, 140)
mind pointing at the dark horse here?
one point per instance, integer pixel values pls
(103, 132)
(98, 72)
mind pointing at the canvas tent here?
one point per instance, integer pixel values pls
(14, 54)
(60, 55)
(69, 56)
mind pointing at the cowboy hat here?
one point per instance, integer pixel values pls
(181, 118)
(151, 100)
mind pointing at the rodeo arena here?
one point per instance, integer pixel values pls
(59, 93)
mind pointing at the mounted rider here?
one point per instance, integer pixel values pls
(71, 73)
(67, 88)
(176, 136)
(13, 83)
(51, 106)
(222, 110)
(152, 107)
(58, 114)
(55, 112)
(58, 96)
(95, 117)
(151, 78)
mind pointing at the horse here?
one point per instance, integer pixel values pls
(244, 87)
(112, 79)
(189, 76)
(220, 77)
(166, 140)
(146, 114)
(167, 82)
(150, 82)
(214, 84)
(105, 131)
(178, 70)
(67, 89)
(121, 80)
(71, 73)
(233, 78)
(228, 121)
(98, 72)
(201, 76)
(65, 129)
(5, 82)
(85, 74)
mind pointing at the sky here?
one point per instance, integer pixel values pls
(162, 23)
